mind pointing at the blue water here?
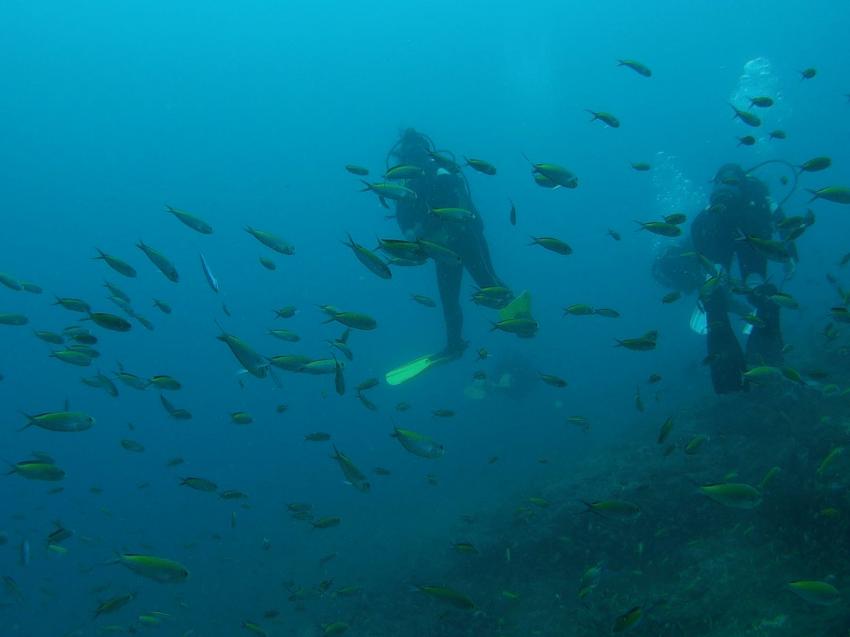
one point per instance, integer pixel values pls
(245, 114)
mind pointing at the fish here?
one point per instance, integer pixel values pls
(671, 297)
(232, 494)
(209, 276)
(745, 116)
(427, 301)
(290, 362)
(354, 169)
(160, 261)
(369, 383)
(72, 357)
(522, 327)
(267, 263)
(372, 261)
(551, 379)
(100, 381)
(614, 509)
(406, 250)
(368, 404)
(49, 337)
(72, 304)
(131, 380)
(777, 134)
(156, 568)
(552, 244)
(110, 321)
(10, 282)
(815, 164)
(165, 382)
(339, 378)
(174, 412)
(199, 484)
(676, 218)
(664, 432)
(606, 312)
(641, 166)
(62, 421)
(829, 460)
(661, 228)
(637, 67)
(835, 194)
(326, 522)
(553, 175)
(386, 190)
(132, 445)
(606, 118)
(695, 444)
(317, 436)
(352, 474)
(191, 221)
(37, 470)
(162, 306)
(771, 249)
(627, 620)
(815, 592)
(578, 309)
(643, 343)
(807, 74)
(512, 215)
(418, 444)
(241, 418)
(271, 241)
(119, 265)
(285, 312)
(733, 494)
(113, 604)
(465, 547)
(447, 595)
(761, 101)
(250, 360)
(355, 320)
(481, 166)
(454, 215)
(403, 171)
(285, 335)
(439, 252)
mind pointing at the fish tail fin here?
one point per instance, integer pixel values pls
(813, 193)
(30, 421)
(367, 184)
(594, 116)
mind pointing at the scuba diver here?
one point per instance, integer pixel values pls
(440, 186)
(738, 224)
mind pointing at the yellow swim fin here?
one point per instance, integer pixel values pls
(519, 308)
(410, 370)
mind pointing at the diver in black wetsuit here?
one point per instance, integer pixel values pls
(442, 185)
(739, 207)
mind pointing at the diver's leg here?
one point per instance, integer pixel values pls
(725, 358)
(476, 258)
(448, 281)
(764, 346)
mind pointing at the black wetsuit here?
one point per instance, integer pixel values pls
(441, 189)
(739, 207)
